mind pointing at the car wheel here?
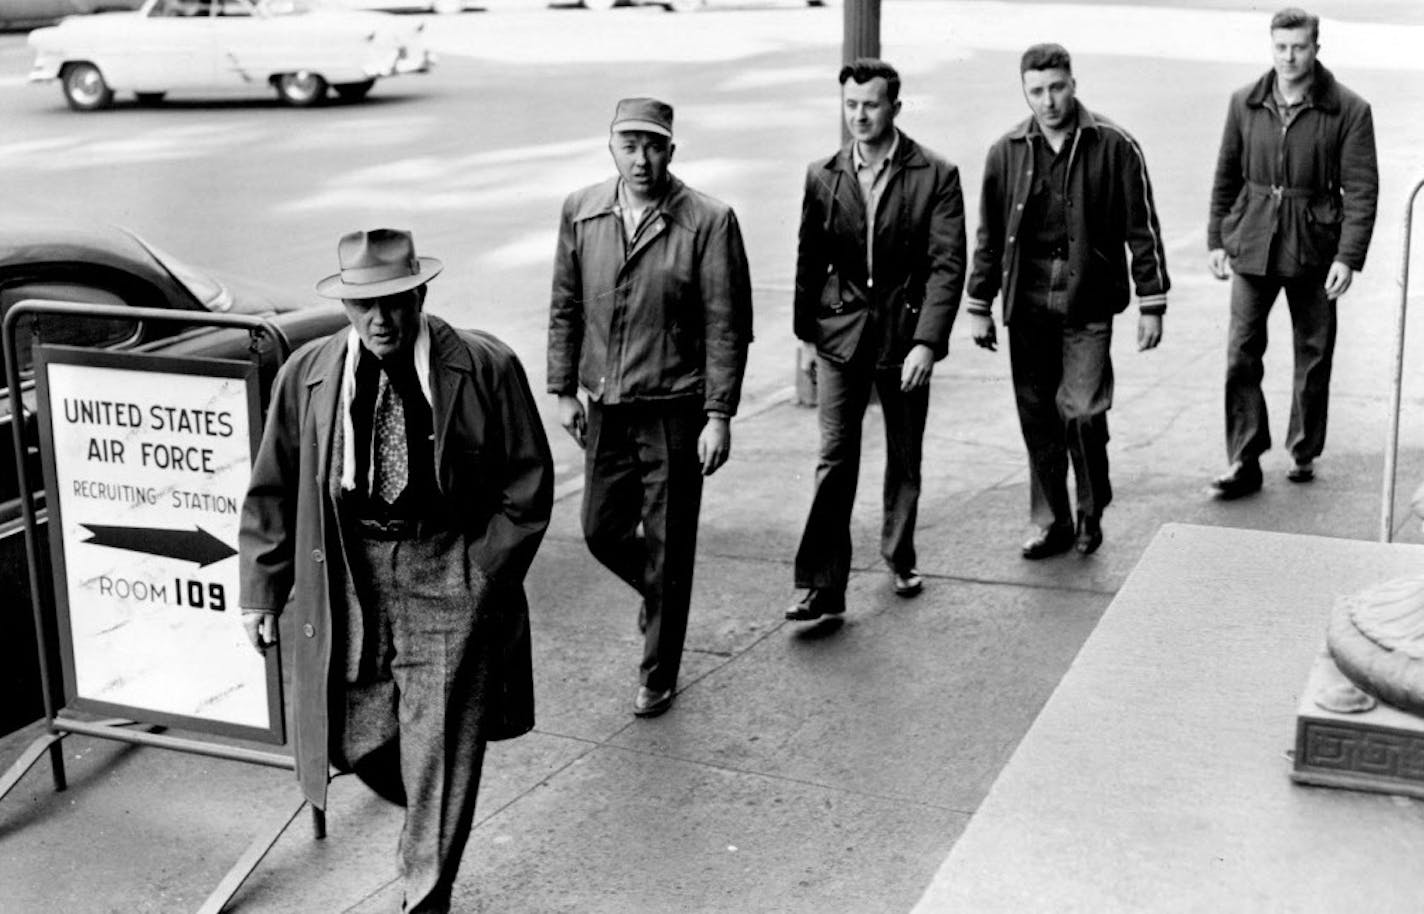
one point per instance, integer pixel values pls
(303, 89)
(448, 7)
(149, 99)
(84, 88)
(599, 5)
(353, 92)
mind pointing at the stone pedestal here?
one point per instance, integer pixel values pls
(1380, 750)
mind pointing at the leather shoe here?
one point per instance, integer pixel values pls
(1243, 478)
(908, 583)
(1054, 539)
(651, 702)
(1301, 471)
(1090, 534)
(816, 603)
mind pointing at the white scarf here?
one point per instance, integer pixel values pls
(421, 359)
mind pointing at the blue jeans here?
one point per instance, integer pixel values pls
(1248, 429)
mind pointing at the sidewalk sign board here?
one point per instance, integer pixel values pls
(146, 460)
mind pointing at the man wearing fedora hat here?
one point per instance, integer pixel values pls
(401, 489)
(651, 316)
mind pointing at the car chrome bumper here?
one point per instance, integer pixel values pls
(44, 71)
(402, 61)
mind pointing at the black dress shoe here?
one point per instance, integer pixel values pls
(1243, 478)
(1090, 535)
(1054, 539)
(817, 603)
(1301, 471)
(651, 702)
(907, 583)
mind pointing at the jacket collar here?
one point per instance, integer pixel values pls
(908, 155)
(1324, 92)
(1086, 121)
(603, 201)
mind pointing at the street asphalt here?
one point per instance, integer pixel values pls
(823, 767)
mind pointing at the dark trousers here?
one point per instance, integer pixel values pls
(843, 392)
(411, 724)
(1248, 430)
(642, 493)
(1063, 384)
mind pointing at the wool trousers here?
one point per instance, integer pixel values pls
(641, 498)
(823, 557)
(413, 696)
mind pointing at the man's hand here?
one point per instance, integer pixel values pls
(918, 367)
(981, 326)
(261, 629)
(1218, 263)
(1149, 331)
(714, 445)
(808, 356)
(1338, 280)
(571, 417)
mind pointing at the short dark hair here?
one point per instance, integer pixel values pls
(864, 69)
(1293, 17)
(1046, 57)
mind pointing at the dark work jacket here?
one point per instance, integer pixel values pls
(671, 319)
(919, 257)
(494, 476)
(1323, 163)
(1110, 208)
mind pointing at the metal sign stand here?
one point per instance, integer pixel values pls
(1391, 451)
(46, 637)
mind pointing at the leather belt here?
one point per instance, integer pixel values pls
(1279, 192)
(395, 529)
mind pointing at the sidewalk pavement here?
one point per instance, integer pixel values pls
(804, 768)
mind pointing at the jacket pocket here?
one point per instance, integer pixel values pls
(1231, 229)
(831, 300)
(907, 312)
(1323, 216)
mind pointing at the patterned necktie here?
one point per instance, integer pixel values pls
(390, 466)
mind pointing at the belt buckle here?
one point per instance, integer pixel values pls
(1276, 191)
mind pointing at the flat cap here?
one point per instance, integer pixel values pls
(646, 115)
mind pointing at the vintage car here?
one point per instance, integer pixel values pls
(300, 48)
(108, 265)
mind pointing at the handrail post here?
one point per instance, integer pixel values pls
(1391, 451)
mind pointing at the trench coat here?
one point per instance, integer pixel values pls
(920, 254)
(495, 480)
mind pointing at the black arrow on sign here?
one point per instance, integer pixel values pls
(196, 545)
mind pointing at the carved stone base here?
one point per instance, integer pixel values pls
(1381, 750)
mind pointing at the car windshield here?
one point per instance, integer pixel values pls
(211, 294)
(290, 7)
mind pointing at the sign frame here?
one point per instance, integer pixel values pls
(247, 372)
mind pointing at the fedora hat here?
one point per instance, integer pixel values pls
(377, 262)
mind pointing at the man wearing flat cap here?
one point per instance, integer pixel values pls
(651, 316)
(401, 489)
